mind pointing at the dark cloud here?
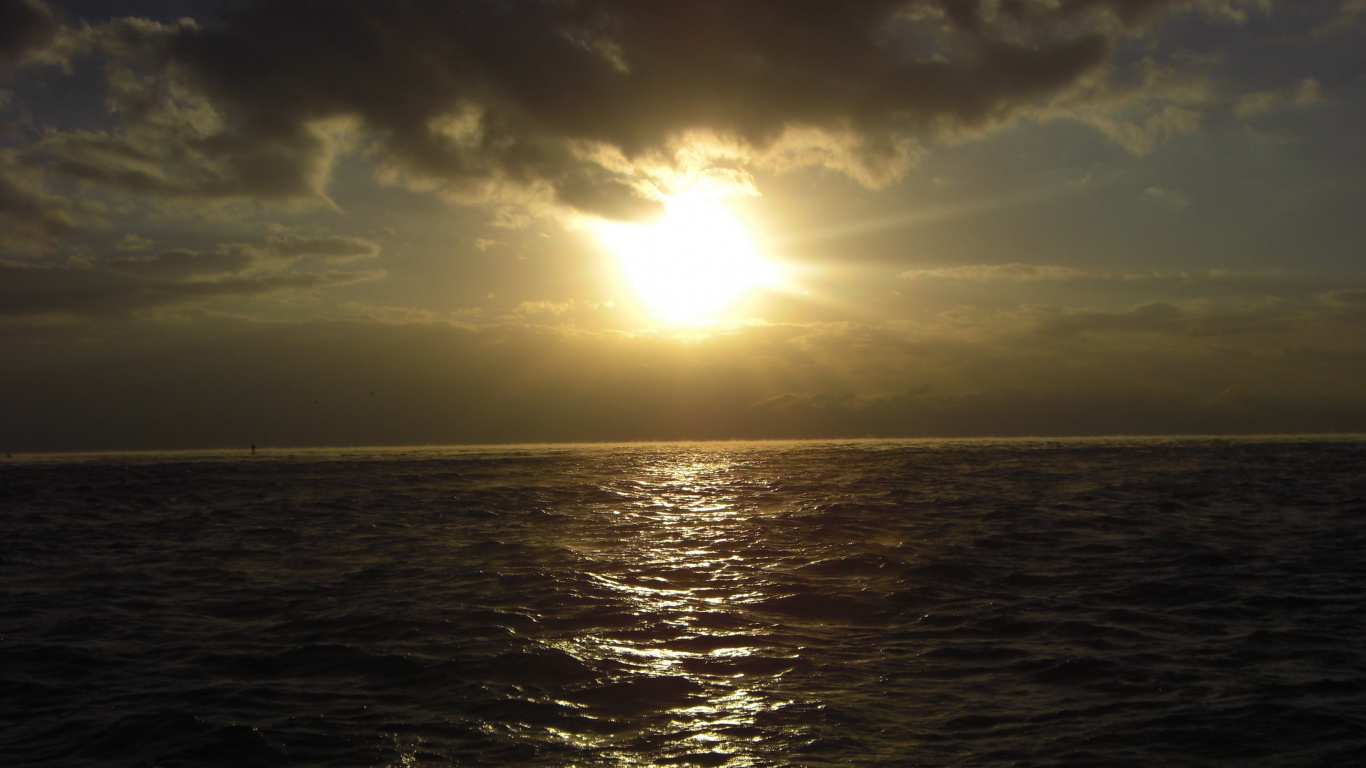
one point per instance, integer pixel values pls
(310, 384)
(1128, 11)
(1350, 297)
(132, 283)
(333, 248)
(177, 264)
(31, 220)
(1154, 317)
(26, 26)
(135, 281)
(1198, 319)
(527, 94)
(992, 272)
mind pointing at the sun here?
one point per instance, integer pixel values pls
(691, 263)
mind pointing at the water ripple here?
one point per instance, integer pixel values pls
(985, 603)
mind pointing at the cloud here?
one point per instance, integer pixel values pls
(993, 272)
(1170, 197)
(134, 242)
(172, 264)
(532, 308)
(175, 142)
(1190, 319)
(1307, 93)
(281, 252)
(1350, 298)
(1154, 317)
(1348, 305)
(499, 101)
(1141, 137)
(1350, 19)
(124, 284)
(26, 27)
(448, 381)
(31, 220)
(1236, 10)
(329, 248)
(1140, 107)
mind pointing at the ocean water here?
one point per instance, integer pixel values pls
(1148, 602)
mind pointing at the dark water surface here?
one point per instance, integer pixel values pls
(976, 603)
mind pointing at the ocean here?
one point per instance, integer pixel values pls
(1099, 602)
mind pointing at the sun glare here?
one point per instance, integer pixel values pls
(693, 262)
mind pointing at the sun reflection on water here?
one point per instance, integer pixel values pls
(695, 665)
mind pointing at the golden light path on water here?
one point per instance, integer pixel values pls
(870, 603)
(685, 575)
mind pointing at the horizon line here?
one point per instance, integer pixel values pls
(493, 446)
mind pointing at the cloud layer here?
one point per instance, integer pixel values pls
(26, 27)
(116, 285)
(1150, 369)
(568, 102)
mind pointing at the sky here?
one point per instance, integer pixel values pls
(342, 222)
